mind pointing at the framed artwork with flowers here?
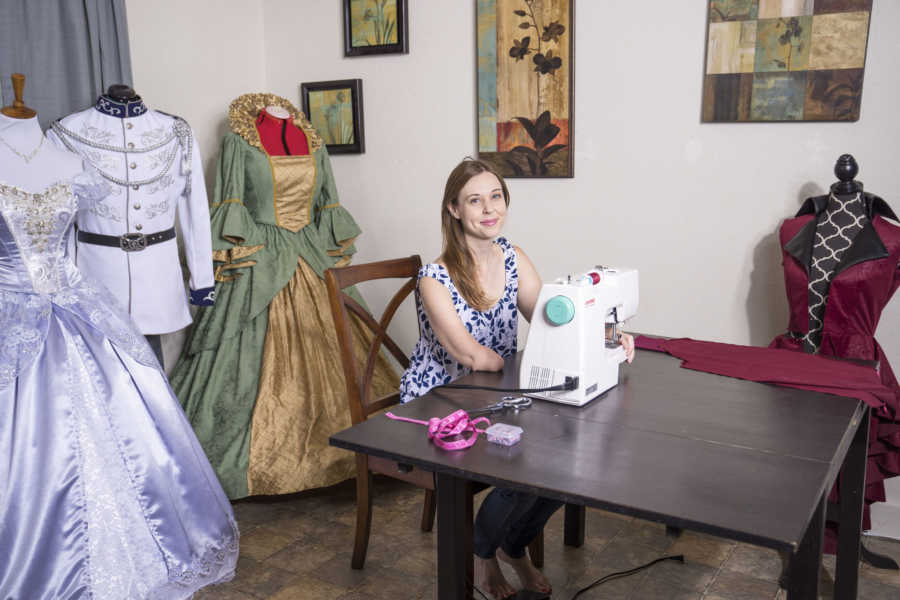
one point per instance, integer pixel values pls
(526, 83)
(375, 27)
(335, 110)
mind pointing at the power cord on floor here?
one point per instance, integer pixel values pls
(620, 574)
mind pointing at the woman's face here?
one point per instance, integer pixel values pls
(481, 207)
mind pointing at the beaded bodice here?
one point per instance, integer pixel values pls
(37, 275)
(33, 228)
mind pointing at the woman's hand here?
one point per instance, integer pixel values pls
(627, 342)
(487, 360)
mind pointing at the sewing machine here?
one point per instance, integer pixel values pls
(572, 334)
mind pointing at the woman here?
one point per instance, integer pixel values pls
(468, 303)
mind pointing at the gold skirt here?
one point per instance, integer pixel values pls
(302, 397)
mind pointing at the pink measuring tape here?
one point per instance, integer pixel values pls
(441, 430)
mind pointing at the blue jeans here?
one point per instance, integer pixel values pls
(510, 520)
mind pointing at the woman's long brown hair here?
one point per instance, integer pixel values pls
(456, 255)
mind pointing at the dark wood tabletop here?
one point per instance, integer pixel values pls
(737, 459)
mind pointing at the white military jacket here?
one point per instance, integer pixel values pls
(153, 166)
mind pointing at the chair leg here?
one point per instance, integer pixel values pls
(363, 511)
(536, 550)
(428, 511)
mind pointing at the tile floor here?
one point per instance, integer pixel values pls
(298, 547)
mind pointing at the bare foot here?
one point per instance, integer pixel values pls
(529, 576)
(490, 578)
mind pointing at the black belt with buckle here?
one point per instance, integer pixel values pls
(130, 242)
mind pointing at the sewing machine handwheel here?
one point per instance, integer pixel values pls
(559, 310)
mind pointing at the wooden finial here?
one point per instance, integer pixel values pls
(18, 110)
(845, 169)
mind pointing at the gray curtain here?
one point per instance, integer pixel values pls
(70, 51)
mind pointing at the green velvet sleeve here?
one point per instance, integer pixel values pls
(230, 221)
(336, 227)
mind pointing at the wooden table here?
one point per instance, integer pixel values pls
(736, 459)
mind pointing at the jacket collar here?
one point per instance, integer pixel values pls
(121, 110)
(867, 244)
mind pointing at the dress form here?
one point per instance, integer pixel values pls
(278, 112)
(48, 165)
(859, 283)
(17, 109)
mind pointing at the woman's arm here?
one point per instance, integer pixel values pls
(529, 284)
(450, 331)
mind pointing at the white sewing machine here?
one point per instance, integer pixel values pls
(568, 334)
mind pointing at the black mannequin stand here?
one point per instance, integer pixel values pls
(121, 92)
(845, 169)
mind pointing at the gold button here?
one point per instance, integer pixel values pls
(133, 165)
(138, 227)
(137, 207)
(131, 144)
(129, 125)
(134, 187)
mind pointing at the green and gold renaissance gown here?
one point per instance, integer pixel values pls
(260, 377)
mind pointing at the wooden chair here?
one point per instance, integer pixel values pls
(361, 403)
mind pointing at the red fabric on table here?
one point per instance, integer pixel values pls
(779, 367)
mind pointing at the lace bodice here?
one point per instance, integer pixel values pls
(36, 274)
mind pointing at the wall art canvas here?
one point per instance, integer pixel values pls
(526, 56)
(785, 60)
(375, 27)
(335, 110)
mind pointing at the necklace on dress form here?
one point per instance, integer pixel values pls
(26, 157)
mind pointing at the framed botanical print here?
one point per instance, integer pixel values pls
(526, 82)
(335, 110)
(375, 27)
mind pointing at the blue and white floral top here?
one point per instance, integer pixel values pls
(496, 328)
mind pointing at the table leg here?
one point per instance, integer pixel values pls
(574, 526)
(803, 575)
(454, 543)
(853, 476)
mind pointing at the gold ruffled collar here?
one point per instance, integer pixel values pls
(245, 109)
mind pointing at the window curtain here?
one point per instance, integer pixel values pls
(70, 51)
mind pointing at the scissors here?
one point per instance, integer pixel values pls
(516, 403)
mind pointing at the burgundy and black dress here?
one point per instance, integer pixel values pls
(841, 268)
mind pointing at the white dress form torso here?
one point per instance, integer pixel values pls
(47, 166)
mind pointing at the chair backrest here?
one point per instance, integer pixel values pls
(359, 382)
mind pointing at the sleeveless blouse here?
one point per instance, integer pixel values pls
(496, 328)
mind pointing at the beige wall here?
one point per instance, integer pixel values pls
(192, 58)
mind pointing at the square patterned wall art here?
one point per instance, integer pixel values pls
(526, 73)
(785, 60)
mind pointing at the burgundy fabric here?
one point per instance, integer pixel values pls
(779, 367)
(856, 298)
